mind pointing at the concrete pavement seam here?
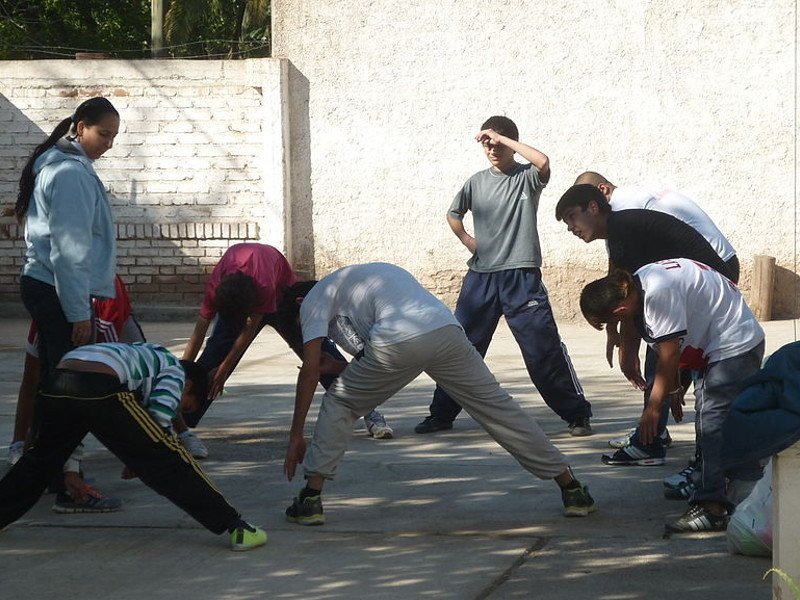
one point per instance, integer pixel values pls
(506, 575)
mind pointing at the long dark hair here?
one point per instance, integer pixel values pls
(90, 111)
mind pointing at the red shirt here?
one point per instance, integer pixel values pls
(269, 269)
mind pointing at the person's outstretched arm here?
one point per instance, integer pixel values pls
(669, 354)
(240, 346)
(196, 339)
(307, 381)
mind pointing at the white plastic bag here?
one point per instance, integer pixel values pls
(750, 527)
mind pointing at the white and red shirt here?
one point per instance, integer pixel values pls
(677, 205)
(110, 318)
(691, 301)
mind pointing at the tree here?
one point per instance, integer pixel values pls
(60, 28)
(231, 28)
(121, 28)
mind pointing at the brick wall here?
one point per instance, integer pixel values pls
(196, 167)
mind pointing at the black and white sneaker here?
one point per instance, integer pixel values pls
(682, 492)
(697, 520)
(625, 440)
(680, 479)
(632, 455)
(580, 427)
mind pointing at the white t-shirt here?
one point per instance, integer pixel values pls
(690, 300)
(675, 204)
(381, 303)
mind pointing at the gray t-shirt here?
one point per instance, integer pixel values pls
(375, 303)
(504, 217)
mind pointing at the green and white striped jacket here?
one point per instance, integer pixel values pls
(148, 369)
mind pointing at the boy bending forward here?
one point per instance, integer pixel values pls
(125, 395)
(402, 330)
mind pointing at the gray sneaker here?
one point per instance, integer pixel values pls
(577, 501)
(580, 427)
(377, 427)
(15, 451)
(307, 511)
(193, 444)
(680, 479)
(96, 502)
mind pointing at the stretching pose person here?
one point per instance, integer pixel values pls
(242, 293)
(126, 396)
(696, 319)
(402, 330)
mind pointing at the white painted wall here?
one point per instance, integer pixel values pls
(785, 547)
(696, 95)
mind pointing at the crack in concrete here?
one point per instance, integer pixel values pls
(506, 575)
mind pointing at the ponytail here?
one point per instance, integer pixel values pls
(90, 112)
(26, 180)
(600, 298)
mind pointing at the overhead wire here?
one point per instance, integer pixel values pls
(69, 51)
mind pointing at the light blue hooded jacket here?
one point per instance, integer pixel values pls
(69, 230)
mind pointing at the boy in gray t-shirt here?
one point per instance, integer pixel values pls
(504, 277)
(403, 330)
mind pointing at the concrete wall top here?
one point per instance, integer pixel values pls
(193, 135)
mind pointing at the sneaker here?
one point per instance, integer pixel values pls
(625, 440)
(681, 492)
(246, 537)
(377, 427)
(577, 501)
(431, 424)
(193, 444)
(15, 451)
(307, 511)
(96, 502)
(580, 427)
(697, 519)
(679, 479)
(632, 455)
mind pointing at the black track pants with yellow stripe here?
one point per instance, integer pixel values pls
(72, 404)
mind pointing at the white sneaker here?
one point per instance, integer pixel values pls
(193, 444)
(625, 440)
(15, 451)
(377, 427)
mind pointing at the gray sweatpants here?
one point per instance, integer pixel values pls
(714, 392)
(451, 361)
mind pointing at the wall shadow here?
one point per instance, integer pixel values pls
(18, 135)
(301, 231)
(786, 294)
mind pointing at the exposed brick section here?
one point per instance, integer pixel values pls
(186, 175)
(160, 263)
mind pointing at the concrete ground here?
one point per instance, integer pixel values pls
(447, 515)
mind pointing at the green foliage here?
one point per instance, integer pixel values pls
(59, 28)
(217, 28)
(121, 28)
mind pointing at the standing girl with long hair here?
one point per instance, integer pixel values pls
(70, 250)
